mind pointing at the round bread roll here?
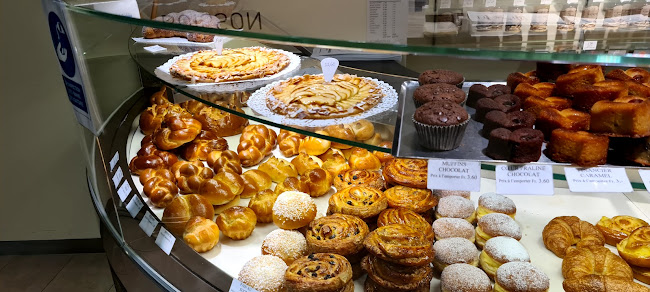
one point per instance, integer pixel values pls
(363, 130)
(464, 277)
(255, 181)
(361, 158)
(264, 273)
(237, 222)
(330, 153)
(262, 204)
(293, 210)
(182, 208)
(383, 156)
(318, 180)
(201, 234)
(342, 132)
(520, 277)
(313, 145)
(336, 164)
(289, 245)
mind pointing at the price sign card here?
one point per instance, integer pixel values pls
(445, 4)
(148, 223)
(454, 175)
(165, 240)
(597, 180)
(117, 177)
(218, 43)
(124, 191)
(114, 161)
(134, 206)
(490, 3)
(329, 65)
(589, 45)
(645, 176)
(524, 180)
(238, 286)
(468, 3)
(155, 49)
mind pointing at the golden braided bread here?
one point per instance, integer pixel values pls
(176, 130)
(190, 175)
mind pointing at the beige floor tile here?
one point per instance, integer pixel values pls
(4, 260)
(85, 272)
(31, 273)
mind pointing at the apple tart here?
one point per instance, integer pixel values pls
(311, 97)
(231, 65)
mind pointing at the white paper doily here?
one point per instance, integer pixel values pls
(257, 102)
(162, 72)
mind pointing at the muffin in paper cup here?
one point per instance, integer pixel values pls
(440, 125)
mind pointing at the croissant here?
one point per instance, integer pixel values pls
(255, 181)
(318, 180)
(222, 188)
(361, 158)
(304, 162)
(160, 190)
(564, 231)
(176, 131)
(278, 169)
(150, 157)
(594, 260)
(190, 175)
(221, 160)
(343, 132)
(599, 283)
(202, 145)
(289, 142)
(255, 143)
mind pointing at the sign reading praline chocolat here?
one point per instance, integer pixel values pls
(524, 179)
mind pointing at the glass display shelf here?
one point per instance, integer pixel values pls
(608, 45)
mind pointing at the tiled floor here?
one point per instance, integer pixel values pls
(55, 272)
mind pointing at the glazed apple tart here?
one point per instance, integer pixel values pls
(311, 97)
(231, 65)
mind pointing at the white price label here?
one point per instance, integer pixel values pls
(218, 43)
(155, 49)
(572, 1)
(519, 3)
(454, 175)
(238, 286)
(445, 4)
(329, 65)
(589, 45)
(468, 3)
(148, 223)
(117, 177)
(124, 190)
(546, 2)
(134, 206)
(524, 179)
(114, 161)
(165, 240)
(597, 180)
(645, 176)
(490, 3)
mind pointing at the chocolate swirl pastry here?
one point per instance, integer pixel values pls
(406, 217)
(400, 244)
(359, 177)
(362, 202)
(337, 233)
(418, 200)
(230, 65)
(393, 277)
(310, 97)
(319, 272)
(407, 172)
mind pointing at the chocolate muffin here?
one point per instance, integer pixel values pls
(441, 76)
(478, 91)
(505, 103)
(438, 91)
(499, 144)
(440, 124)
(511, 121)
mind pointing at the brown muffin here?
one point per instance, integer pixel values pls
(440, 124)
(438, 91)
(441, 76)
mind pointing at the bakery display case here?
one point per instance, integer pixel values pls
(363, 146)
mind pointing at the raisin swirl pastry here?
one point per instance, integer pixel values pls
(418, 200)
(337, 233)
(387, 276)
(359, 177)
(407, 172)
(400, 244)
(319, 272)
(362, 202)
(406, 217)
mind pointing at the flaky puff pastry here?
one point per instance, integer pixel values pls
(418, 200)
(222, 188)
(618, 228)
(392, 277)
(255, 181)
(635, 249)
(400, 244)
(304, 162)
(227, 159)
(201, 234)
(337, 233)
(262, 204)
(318, 180)
(406, 217)
(406, 172)
(291, 184)
(564, 231)
(594, 260)
(278, 169)
(361, 158)
(602, 283)
(319, 272)
(336, 164)
(362, 202)
(190, 175)
(237, 222)
(359, 177)
(641, 274)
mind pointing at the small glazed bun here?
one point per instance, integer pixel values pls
(464, 277)
(278, 169)
(618, 227)
(496, 224)
(255, 181)
(454, 250)
(363, 130)
(293, 210)
(304, 162)
(361, 158)
(336, 164)
(262, 204)
(291, 184)
(318, 180)
(222, 160)
(501, 250)
(222, 188)
(289, 245)
(456, 207)
(359, 177)
(444, 193)
(453, 227)
(520, 276)
(237, 222)
(264, 273)
(201, 234)
(314, 146)
(342, 132)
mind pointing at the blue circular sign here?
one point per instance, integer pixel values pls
(61, 44)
